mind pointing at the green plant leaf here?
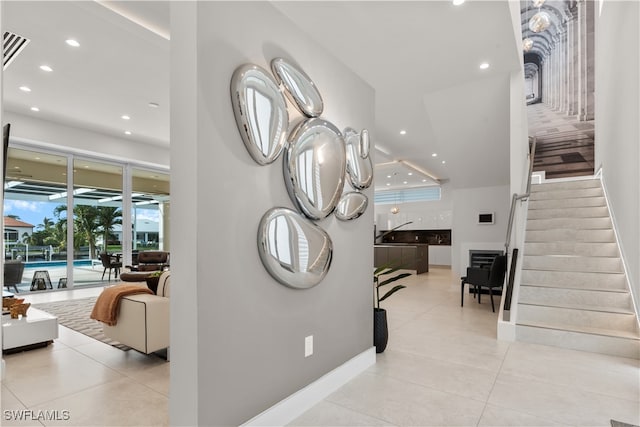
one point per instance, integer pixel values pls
(387, 268)
(393, 279)
(392, 291)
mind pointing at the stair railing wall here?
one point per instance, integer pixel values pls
(518, 208)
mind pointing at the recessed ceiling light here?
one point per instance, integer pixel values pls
(404, 182)
(125, 117)
(434, 154)
(86, 166)
(443, 162)
(72, 42)
(36, 109)
(457, 2)
(484, 65)
(424, 180)
(403, 132)
(154, 105)
(388, 183)
(127, 132)
(388, 176)
(25, 88)
(46, 68)
(410, 173)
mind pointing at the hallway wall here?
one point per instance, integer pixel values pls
(238, 344)
(618, 130)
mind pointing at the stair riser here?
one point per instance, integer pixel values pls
(567, 194)
(588, 212)
(575, 280)
(567, 248)
(570, 223)
(577, 341)
(567, 203)
(580, 318)
(564, 263)
(556, 297)
(566, 185)
(559, 235)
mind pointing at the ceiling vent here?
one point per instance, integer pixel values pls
(12, 46)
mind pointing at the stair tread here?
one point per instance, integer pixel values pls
(635, 335)
(583, 307)
(581, 288)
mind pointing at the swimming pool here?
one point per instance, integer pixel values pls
(76, 263)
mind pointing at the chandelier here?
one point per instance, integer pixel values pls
(527, 44)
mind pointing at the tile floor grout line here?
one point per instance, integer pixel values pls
(387, 422)
(495, 380)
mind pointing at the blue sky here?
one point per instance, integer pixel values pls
(34, 212)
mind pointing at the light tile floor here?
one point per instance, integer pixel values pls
(443, 366)
(98, 384)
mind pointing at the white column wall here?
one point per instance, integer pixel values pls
(618, 131)
(467, 233)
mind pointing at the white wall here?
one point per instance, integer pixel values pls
(618, 126)
(47, 133)
(238, 341)
(466, 233)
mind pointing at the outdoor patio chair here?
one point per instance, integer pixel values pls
(110, 262)
(13, 271)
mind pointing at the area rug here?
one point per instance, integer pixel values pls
(74, 314)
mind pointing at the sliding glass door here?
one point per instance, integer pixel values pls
(117, 210)
(35, 217)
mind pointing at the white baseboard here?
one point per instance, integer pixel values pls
(292, 407)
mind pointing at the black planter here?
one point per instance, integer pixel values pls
(380, 330)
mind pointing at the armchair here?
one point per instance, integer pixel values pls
(13, 271)
(143, 320)
(151, 261)
(490, 278)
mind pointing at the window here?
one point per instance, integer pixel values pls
(420, 194)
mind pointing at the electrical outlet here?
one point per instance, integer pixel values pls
(308, 346)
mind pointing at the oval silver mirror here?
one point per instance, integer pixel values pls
(351, 206)
(261, 112)
(359, 167)
(314, 167)
(365, 144)
(295, 251)
(299, 88)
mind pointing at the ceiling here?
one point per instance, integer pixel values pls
(421, 57)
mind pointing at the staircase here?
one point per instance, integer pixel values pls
(574, 291)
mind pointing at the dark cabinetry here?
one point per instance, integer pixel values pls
(410, 257)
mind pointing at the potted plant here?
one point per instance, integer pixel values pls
(380, 329)
(152, 280)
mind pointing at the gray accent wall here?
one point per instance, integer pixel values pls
(618, 127)
(237, 334)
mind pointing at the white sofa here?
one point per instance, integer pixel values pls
(143, 319)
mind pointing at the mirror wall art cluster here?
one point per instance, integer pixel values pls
(318, 159)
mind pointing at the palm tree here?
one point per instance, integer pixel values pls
(108, 217)
(86, 225)
(85, 220)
